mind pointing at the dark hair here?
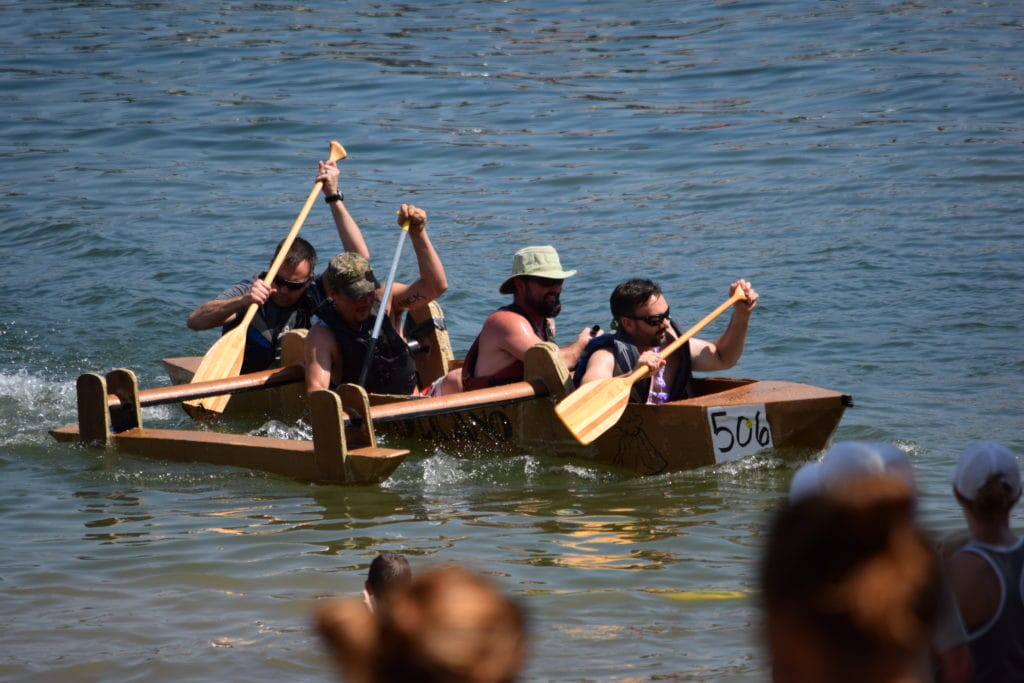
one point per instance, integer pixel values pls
(387, 571)
(855, 575)
(631, 295)
(993, 501)
(300, 251)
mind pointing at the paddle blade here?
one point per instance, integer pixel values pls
(224, 359)
(337, 152)
(592, 409)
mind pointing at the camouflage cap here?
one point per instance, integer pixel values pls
(350, 274)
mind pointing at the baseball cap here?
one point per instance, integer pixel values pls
(537, 262)
(980, 462)
(848, 461)
(350, 274)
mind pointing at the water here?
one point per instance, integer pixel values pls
(859, 162)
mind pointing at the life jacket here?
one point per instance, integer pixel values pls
(513, 372)
(626, 355)
(393, 370)
(271, 322)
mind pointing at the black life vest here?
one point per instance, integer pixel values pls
(393, 370)
(271, 322)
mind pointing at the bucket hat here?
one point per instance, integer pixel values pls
(536, 262)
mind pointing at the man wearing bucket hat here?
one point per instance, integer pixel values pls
(640, 316)
(496, 356)
(988, 570)
(337, 346)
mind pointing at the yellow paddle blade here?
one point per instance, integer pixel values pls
(594, 408)
(224, 359)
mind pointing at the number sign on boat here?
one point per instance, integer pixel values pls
(738, 431)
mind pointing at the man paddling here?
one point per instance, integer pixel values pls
(289, 301)
(643, 327)
(496, 356)
(337, 346)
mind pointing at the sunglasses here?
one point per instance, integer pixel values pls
(291, 284)
(543, 281)
(652, 320)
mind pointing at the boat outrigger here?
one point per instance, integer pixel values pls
(725, 418)
(109, 414)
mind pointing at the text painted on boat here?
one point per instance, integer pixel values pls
(738, 431)
(479, 426)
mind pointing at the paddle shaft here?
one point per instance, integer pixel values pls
(337, 153)
(382, 309)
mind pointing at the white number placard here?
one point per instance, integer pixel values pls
(737, 431)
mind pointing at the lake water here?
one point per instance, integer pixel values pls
(859, 162)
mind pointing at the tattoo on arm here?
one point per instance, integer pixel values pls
(408, 301)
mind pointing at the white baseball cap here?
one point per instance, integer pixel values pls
(980, 462)
(806, 482)
(847, 461)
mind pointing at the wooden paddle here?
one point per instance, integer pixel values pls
(592, 409)
(224, 359)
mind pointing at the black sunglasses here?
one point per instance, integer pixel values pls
(652, 320)
(291, 284)
(543, 281)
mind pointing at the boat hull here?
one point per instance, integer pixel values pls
(648, 440)
(729, 418)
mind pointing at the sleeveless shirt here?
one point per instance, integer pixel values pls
(997, 647)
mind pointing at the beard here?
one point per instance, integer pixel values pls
(652, 340)
(550, 306)
(660, 337)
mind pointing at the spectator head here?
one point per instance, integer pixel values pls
(987, 480)
(849, 584)
(848, 461)
(447, 625)
(387, 572)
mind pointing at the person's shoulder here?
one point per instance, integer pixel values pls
(239, 288)
(505, 319)
(967, 566)
(319, 334)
